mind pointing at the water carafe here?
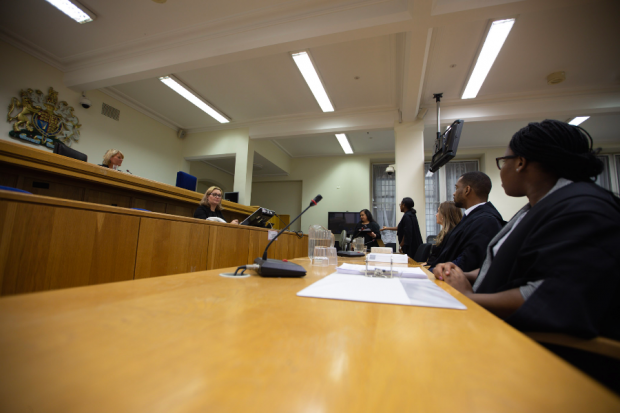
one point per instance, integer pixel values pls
(318, 236)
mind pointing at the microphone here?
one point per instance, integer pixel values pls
(279, 268)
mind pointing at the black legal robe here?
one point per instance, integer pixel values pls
(571, 240)
(204, 212)
(409, 231)
(466, 244)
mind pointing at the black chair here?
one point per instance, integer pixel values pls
(62, 149)
(431, 239)
(391, 245)
(424, 250)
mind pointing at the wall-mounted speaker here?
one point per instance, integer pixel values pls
(181, 133)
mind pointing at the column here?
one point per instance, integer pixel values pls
(410, 168)
(244, 167)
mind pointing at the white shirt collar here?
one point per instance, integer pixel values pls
(468, 210)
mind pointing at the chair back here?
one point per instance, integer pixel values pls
(186, 181)
(421, 255)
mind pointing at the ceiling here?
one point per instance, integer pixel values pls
(380, 61)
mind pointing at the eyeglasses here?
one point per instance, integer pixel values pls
(217, 195)
(502, 160)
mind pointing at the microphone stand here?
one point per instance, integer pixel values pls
(279, 268)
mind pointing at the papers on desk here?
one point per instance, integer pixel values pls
(404, 291)
(394, 258)
(405, 272)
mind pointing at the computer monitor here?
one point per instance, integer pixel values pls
(232, 196)
(62, 149)
(337, 221)
(446, 145)
(259, 218)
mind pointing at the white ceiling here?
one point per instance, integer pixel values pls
(236, 55)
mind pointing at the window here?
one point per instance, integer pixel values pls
(610, 177)
(384, 200)
(439, 188)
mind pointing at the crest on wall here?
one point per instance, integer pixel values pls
(43, 120)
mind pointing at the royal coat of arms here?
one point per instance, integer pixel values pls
(43, 120)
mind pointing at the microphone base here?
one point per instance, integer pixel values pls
(278, 268)
(350, 254)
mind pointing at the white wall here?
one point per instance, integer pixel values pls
(205, 172)
(283, 197)
(343, 181)
(151, 149)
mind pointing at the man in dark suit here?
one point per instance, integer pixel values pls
(467, 242)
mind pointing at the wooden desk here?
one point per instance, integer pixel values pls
(49, 174)
(203, 343)
(50, 243)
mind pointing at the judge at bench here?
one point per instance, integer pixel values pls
(466, 244)
(555, 266)
(211, 205)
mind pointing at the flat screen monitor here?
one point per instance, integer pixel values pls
(258, 218)
(232, 196)
(337, 221)
(62, 149)
(446, 145)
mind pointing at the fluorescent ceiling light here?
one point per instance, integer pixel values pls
(344, 142)
(182, 90)
(578, 120)
(74, 10)
(305, 66)
(492, 45)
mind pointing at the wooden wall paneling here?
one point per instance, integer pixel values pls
(151, 205)
(281, 245)
(292, 242)
(258, 243)
(107, 198)
(228, 246)
(8, 178)
(48, 186)
(182, 210)
(167, 247)
(45, 247)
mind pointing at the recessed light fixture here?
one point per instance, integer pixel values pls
(74, 10)
(174, 84)
(578, 120)
(492, 45)
(305, 66)
(344, 142)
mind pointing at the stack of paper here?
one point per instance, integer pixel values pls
(405, 272)
(418, 292)
(394, 258)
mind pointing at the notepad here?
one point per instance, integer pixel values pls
(403, 291)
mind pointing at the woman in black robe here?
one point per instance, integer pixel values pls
(555, 266)
(448, 216)
(408, 232)
(368, 229)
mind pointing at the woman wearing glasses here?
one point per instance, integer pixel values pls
(555, 266)
(211, 205)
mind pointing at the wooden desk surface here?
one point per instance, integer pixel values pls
(201, 342)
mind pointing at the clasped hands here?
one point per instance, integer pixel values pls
(454, 276)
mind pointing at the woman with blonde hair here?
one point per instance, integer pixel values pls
(211, 205)
(113, 159)
(448, 216)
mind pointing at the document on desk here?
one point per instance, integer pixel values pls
(405, 272)
(403, 291)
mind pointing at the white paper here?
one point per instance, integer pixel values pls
(271, 235)
(417, 292)
(394, 258)
(405, 272)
